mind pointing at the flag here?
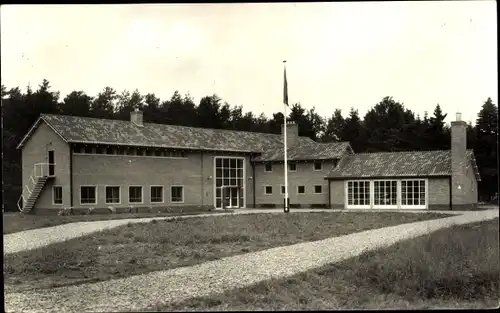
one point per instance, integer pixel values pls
(285, 90)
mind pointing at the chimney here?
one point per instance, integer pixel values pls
(458, 162)
(292, 133)
(136, 117)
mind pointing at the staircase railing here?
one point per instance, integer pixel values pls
(39, 170)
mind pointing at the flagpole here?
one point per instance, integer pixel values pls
(285, 104)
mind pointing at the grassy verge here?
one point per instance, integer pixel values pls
(14, 222)
(140, 248)
(452, 268)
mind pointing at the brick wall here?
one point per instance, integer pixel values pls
(304, 176)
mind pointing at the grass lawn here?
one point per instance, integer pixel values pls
(14, 222)
(140, 248)
(457, 267)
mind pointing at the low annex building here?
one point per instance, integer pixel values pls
(82, 163)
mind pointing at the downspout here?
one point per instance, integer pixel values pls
(202, 180)
(329, 194)
(71, 176)
(253, 183)
(451, 196)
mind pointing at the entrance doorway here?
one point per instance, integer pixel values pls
(51, 163)
(231, 197)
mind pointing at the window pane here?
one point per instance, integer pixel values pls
(217, 192)
(112, 194)
(269, 190)
(240, 173)
(218, 162)
(302, 189)
(218, 172)
(157, 194)
(176, 194)
(283, 189)
(318, 189)
(233, 163)
(218, 182)
(135, 194)
(240, 163)
(225, 162)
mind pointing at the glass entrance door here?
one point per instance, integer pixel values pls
(231, 197)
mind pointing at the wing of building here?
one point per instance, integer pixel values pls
(81, 162)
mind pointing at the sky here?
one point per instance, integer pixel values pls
(339, 55)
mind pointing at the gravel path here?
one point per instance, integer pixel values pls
(143, 291)
(35, 238)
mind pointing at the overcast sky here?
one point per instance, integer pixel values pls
(339, 54)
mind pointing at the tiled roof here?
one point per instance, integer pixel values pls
(398, 164)
(116, 132)
(306, 150)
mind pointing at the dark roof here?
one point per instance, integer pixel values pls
(88, 130)
(306, 150)
(398, 164)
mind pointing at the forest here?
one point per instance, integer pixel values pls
(387, 126)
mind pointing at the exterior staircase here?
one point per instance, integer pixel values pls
(32, 190)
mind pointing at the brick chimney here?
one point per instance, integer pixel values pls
(458, 162)
(136, 117)
(292, 133)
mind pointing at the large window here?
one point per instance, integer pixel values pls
(88, 195)
(229, 172)
(135, 194)
(57, 195)
(413, 193)
(156, 194)
(112, 194)
(358, 193)
(385, 193)
(177, 194)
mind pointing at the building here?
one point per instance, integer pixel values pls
(81, 163)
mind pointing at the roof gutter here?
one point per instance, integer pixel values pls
(387, 177)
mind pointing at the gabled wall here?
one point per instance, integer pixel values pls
(35, 150)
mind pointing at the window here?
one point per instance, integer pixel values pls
(413, 193)
(159, 152)
(177, 194)
(385, 192)
(358, 193)
(229, 171)
(135, 194)
(120, 151)
(131, 151)
(88, 149)
(301, 189)
(318, 166)
(282, 190)
(112, 194)
(318, 189)
(269, 190)
(88, 195)
(99, 150)
(292, 167)
(57, 195)
(268, 167)
(157, 194)
(149, 152)
(77, 149)
(110, 150)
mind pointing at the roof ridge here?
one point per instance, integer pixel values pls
(394, 152)
(180, 126)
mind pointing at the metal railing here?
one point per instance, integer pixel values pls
(39, 170)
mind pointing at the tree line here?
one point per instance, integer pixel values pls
(387, 126)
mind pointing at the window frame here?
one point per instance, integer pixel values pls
(314, 166)
(265, 190)
(426, 194)
(171, 193)
(142, 194)
(106, 194)
(265, 167)
(290, 170)
(318, 193)
(382, 206)
(298, 188)
(54, 195)
(358, 206)
(96, 194)
(151, 194)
